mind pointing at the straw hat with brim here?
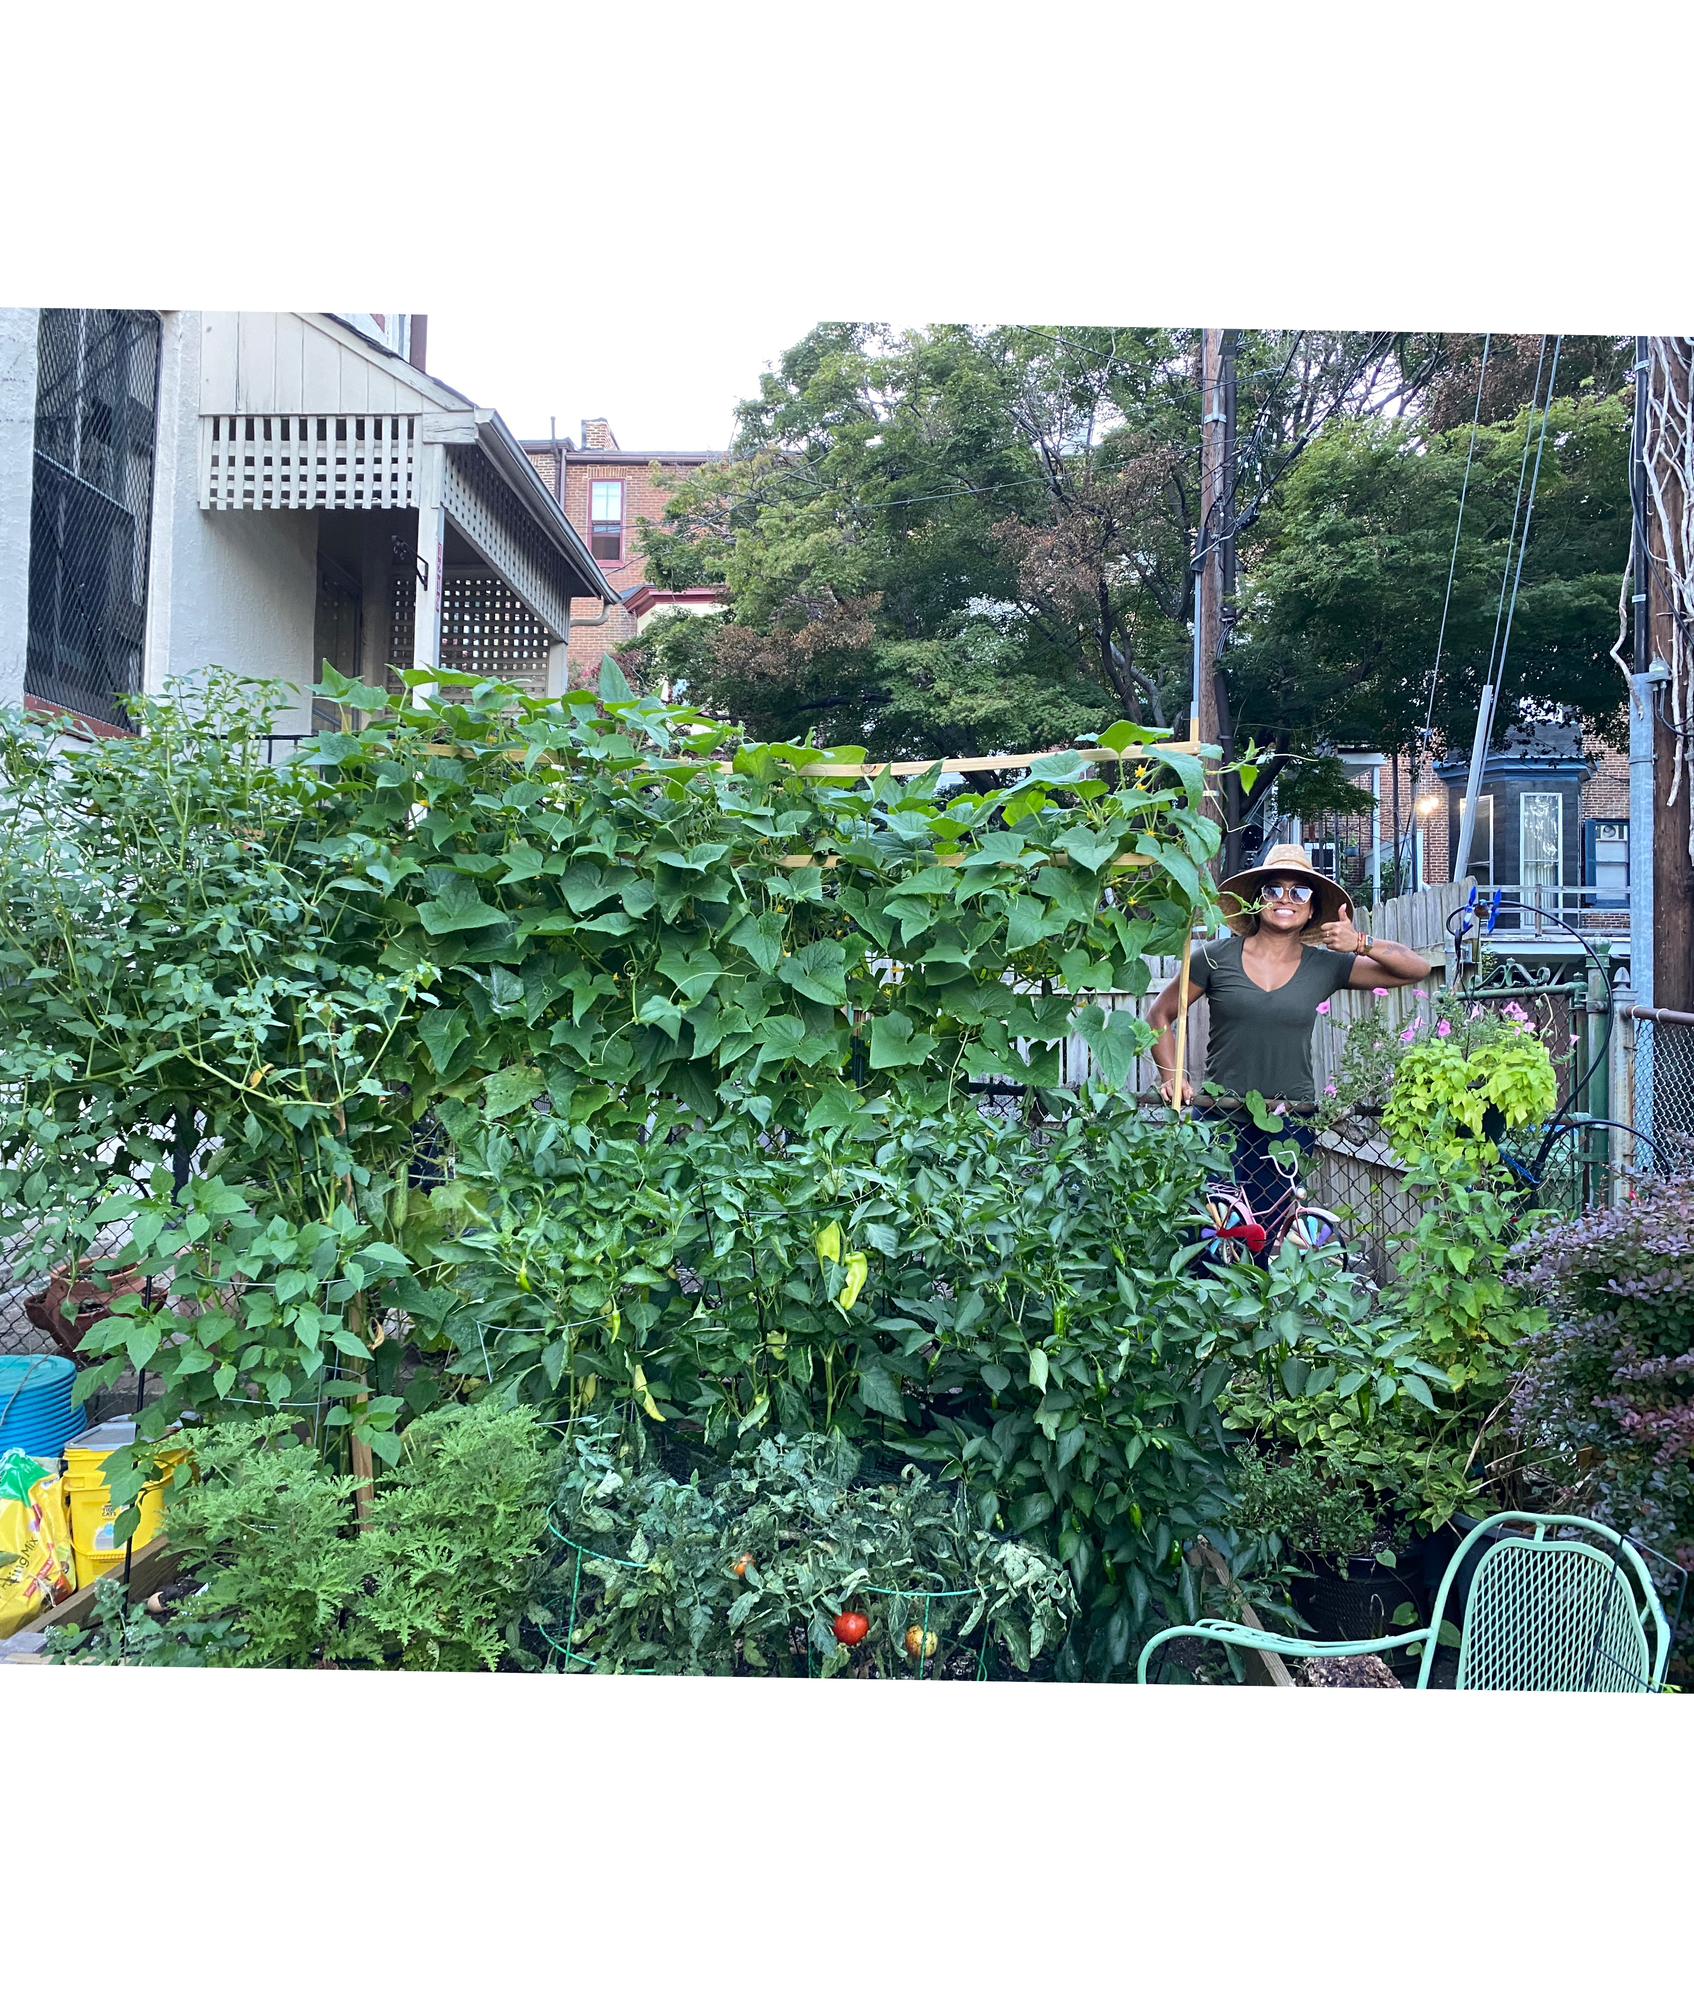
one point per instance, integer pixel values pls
(1241, 892)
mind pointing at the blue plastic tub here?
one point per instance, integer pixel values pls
(37, 1414)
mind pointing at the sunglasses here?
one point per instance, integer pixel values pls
(1286, 892)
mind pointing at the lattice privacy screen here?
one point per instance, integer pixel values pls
(485, 629)
(307, 461)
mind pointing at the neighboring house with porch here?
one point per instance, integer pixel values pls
(263, 491)
(607, 492)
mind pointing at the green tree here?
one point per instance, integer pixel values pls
(962, 539)
(1343, 611)
(1019, 497)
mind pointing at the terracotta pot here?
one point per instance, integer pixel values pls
(67, 1309)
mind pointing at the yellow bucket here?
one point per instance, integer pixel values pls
(93, 1513)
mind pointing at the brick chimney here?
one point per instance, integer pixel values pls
(597, 435)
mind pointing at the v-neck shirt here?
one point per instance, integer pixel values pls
(1258, 1040)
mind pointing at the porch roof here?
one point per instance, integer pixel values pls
(303, 410)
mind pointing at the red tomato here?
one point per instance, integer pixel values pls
(741, 1565)
(851, 1627)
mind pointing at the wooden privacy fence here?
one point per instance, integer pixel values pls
(1352, 1171)
(1419, 921)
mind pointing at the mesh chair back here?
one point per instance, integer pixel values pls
(1553, 1616)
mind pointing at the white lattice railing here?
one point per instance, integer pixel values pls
(485, 629)
(331, 461)
(507, 536)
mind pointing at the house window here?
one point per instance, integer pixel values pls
(91, 508)
(1541, 843)
(605, 518)
(1482, 843)
(1606, 852)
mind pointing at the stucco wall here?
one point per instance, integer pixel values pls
(17, 447)
(232, 589)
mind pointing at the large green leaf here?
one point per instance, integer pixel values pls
(1117, 1039)
(457, 908)
(894, 1044)
(510, 1089)
(818, 971)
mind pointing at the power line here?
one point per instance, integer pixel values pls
(1402, 843)
(1497, 670)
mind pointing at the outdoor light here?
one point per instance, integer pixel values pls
(1428, 803)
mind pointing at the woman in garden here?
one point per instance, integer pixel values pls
(1294, 945)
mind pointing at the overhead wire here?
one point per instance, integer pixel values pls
(1402, 842)
(1507, 610)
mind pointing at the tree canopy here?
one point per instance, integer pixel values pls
(962, 539)
(1343, 607)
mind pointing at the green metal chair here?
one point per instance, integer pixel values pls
(1544, 1614)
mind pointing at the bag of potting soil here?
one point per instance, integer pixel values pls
(37, 1568)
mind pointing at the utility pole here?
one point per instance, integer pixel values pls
(1214, 582)
(1208, 580)
(1670, 593)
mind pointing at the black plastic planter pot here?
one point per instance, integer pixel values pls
(1356, 1599)
(1427, 1561)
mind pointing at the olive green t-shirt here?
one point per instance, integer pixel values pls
(1258, 1040)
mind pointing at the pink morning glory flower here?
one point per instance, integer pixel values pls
(1329, 1090)
(1323, 1006)
(1444, 1029)
(1379, 992)
(1410, 1035)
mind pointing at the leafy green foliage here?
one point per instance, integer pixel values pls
(263, 1524)
(1448, 1081)
(748, 1571)
(457, 910)
(123, 1634)
(1346, 597)
(1406, 1396)
(1301, 1506)
(438, 1579)
(949, 540)
(454, 1542)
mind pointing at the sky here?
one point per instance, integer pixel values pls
(656, 391)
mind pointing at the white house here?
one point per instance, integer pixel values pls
(262, 491)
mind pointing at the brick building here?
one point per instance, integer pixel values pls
(1552, 825)
(606, 493)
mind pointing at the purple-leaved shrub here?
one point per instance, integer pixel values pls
(1605, 1402)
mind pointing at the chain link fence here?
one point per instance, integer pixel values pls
(1652, 1091)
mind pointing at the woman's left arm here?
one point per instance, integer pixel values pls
(1378, 962)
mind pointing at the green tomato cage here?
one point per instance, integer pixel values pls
(911, 1608)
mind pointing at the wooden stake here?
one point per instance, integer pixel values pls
(1182, 997)
(358, 1451)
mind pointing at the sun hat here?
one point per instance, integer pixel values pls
(1240, 893)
